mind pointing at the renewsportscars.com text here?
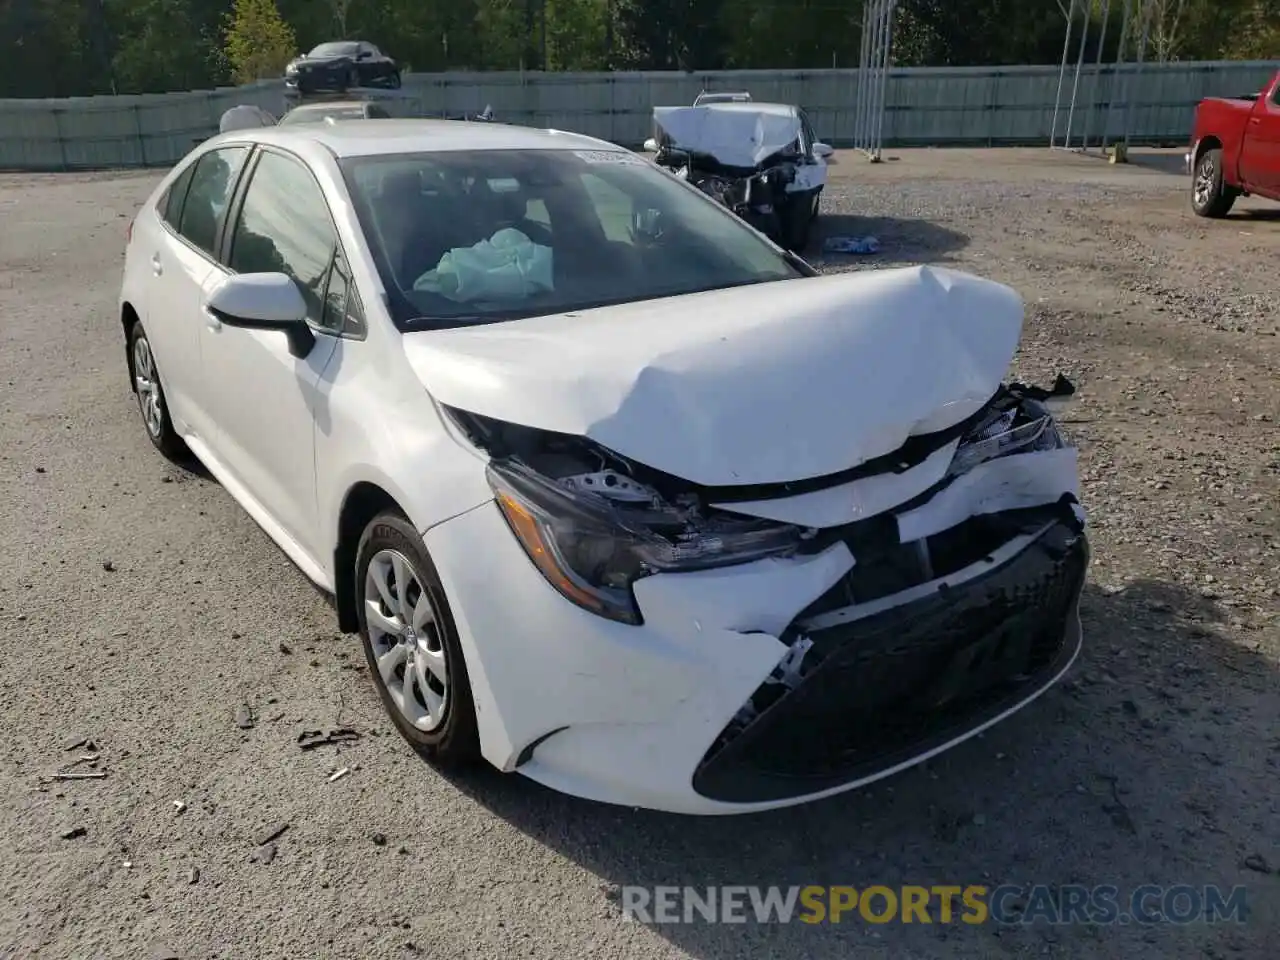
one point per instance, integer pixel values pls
(969, 904)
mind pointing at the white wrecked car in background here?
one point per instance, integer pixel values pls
(245, 116)
(761, 160)
(616, 494)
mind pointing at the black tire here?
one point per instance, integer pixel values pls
(1210, 196)
(797, 220)
(159, 428)
(394, 81)
(455, 741)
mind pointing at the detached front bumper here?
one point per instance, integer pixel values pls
(657, 715)
(894, 686)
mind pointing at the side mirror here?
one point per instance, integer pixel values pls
(822, 150)
(263, 301)
(650, 145)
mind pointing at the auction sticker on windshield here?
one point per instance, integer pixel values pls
(607, 156)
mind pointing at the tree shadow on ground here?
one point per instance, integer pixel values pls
(902, 242)
(1153, 762)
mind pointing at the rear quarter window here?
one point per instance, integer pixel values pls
(170, 205)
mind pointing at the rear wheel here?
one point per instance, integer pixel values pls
(411, 643)
(151, 399)
(1210, 196)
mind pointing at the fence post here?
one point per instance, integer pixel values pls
(57, 132)
(142, 142)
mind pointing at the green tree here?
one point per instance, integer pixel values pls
(577, 34)
(151, 57)
(258, 41)
(1259, 36)
(671, 34)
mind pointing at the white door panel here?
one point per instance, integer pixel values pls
(263, 399)
(178, 275)
(265, 404)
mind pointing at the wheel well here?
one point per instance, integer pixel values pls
(1205, 145)
(364, 501)
(129, 319)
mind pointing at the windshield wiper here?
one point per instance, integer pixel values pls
(465, 319)
(799, 263)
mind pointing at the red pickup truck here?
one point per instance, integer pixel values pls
(1235, 150)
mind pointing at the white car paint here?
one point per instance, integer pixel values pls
(772, 383)
(245, 116)
(747, 378)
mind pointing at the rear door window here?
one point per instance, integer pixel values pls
(171, 206)
(213, 179)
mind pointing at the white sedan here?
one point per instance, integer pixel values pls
(617, 494)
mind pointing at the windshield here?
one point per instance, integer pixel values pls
(334, 50)
(484, 236)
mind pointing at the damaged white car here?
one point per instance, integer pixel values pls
(618, 495)
(761, 160)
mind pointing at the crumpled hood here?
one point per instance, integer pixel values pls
(770, 383)
(736, 135)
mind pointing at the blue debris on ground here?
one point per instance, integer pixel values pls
(861, 245)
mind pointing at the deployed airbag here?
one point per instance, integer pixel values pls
(507, 266)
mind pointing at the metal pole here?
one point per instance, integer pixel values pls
(1145, 8)
(1075, 84)
(870, 76)
(1062, 73)
(1097, 71)
(880, 71)
(1119, 79)
(889, 6)
(860, 104)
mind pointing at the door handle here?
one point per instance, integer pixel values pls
(156, 266)
(1253, 120)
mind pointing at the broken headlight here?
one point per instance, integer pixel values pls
(592, 549)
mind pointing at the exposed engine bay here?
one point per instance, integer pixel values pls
(758, 197)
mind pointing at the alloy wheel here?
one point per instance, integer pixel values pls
(147, 386)
(1203, 190)
(405, 637)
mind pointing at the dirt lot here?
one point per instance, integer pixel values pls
(140, 607)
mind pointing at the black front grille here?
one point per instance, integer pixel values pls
(881, 690)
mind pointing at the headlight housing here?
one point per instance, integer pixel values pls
(592, 549)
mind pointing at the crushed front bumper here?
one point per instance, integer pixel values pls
(650, 716)
(889, 689)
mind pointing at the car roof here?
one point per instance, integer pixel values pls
(735, 106)
(364, 138)
(328, 105)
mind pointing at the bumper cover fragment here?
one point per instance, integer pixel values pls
(882, 690)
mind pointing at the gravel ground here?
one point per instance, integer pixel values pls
(142, 609)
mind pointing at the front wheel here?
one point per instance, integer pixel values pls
(797, 220)
(411, 643)
(1210, 195)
